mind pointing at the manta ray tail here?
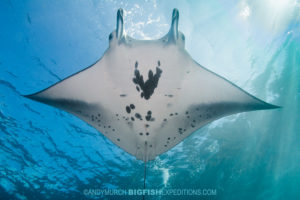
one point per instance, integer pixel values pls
(145, 167)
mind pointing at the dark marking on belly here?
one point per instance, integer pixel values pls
(149, 85)
(132, 106)
(138, 116)
(148, 117)
(128, 110)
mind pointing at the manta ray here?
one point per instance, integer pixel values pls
(146, 96)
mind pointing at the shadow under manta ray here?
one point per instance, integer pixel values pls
(146, 96)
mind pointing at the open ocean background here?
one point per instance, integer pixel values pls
(46, 153)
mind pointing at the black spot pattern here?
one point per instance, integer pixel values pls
(148, 118)
(149, 86)
(138, 116)
(181, 131)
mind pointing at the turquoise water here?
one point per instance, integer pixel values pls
(46, 153)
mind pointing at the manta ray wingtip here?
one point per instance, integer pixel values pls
(271, 106)
(268, 106)
(29, 96)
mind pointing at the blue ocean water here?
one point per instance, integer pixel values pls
(46, 153)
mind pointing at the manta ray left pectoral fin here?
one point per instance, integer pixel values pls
(77, 93)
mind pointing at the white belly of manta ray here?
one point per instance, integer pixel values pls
(146, 96)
